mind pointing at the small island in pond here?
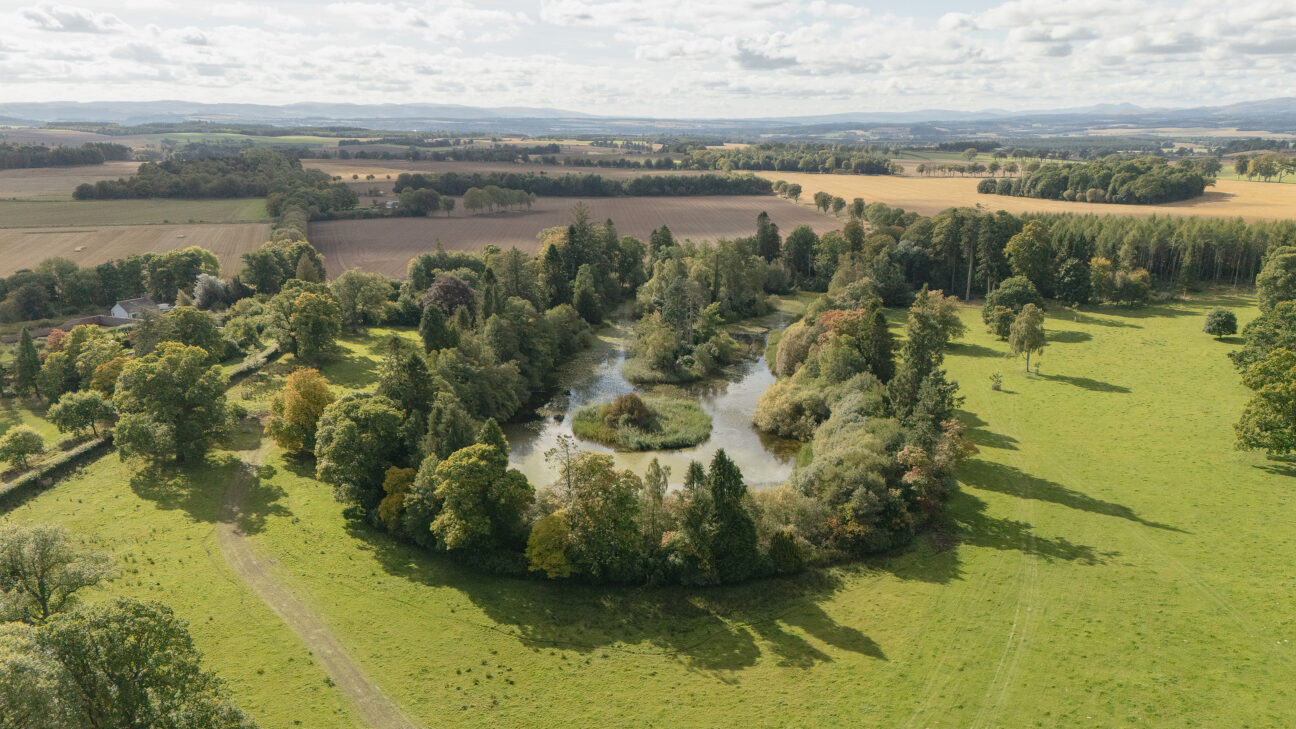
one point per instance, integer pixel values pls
(633, 423)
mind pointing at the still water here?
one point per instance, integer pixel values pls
(595, 376)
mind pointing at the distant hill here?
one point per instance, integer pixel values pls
(1273, 115)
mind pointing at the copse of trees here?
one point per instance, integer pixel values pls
(1114, 179)
(19, 156)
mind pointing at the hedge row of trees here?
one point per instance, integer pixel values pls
(1115, 179)
(453, 183)
(17, 156)
(789, 157)
(1267, 361)
(254, 172)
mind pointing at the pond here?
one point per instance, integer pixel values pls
(730, 399)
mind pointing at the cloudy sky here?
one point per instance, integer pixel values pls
(697, 58)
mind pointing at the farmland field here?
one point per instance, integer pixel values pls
(386, 245)
(57, 183)
(1111, 561)
(927, 196)
(46, 213)
(89, 245)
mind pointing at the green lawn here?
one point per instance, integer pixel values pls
(28, 411)
(49, 213)
(1111, 562)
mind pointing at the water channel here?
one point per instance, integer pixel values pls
(730, 399)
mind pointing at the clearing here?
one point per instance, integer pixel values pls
(1110, 561)
(91, 245)
(386, 245)
(930, 195)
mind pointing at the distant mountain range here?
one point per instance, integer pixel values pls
(1273, 115)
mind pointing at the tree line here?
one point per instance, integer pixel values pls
(791, 157)
(1114, 179)
(19, 156)
(454, 183)
(1267, 359)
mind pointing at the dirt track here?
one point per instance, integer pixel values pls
(371, 703)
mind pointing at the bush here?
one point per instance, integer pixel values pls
(1220, 323)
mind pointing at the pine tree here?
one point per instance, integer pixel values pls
(27, 366)
(733, 545)
(434, 332)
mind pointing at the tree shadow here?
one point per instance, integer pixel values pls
(716, 630)
(1279, 466)
(979, 435)
(967, 349)
(200, 490)
(1086, 383)
(974, 527)
(990, 476)
(1068, 337)
(350, 370)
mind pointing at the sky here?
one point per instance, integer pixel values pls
(657, 58)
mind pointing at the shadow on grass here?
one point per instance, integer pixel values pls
(199, 490)
(967, 349)
(990, 476)
(1087, 383)
(1068, 337)
(720, 629)
(1280, 466)
(349, 369)
(979, 435)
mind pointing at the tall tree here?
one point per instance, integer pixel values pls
(172, 404)
(27, 365)
(1027, 334)
(295, 412)
(41, 572)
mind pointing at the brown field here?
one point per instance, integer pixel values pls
(386, 245)
(57, 183)
(927, 196)
(380, 168)
(26, 247)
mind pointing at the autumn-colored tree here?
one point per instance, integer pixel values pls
(396, 484)
(295, 412)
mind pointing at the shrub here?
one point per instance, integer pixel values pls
(1220, 322)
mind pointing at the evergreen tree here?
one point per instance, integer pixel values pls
(434, 332)
(27, 366)
(733, 545)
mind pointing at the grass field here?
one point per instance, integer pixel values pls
(386, 245)
(1226, 199)
(1111, 562)
(88, 245)
(47, 213)
(57, 183)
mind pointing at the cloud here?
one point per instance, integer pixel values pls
(753, 60)
(67, 19)
(138, 52)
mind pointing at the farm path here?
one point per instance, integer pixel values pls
(374, 707)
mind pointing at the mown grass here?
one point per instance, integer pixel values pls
(1110, 561)
(50, 213)
(158, 528)
(673, 423)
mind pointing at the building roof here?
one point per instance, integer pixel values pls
(135, 306)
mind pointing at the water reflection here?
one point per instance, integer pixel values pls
(730, 400)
